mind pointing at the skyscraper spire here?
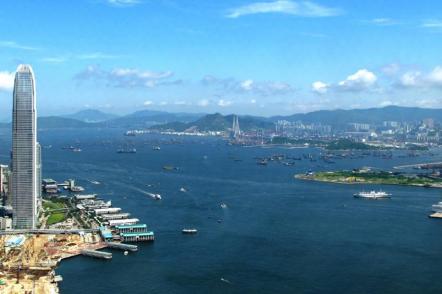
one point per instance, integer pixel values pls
(24, 158)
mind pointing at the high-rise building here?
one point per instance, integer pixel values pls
(24, 151)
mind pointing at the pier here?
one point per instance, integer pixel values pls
(122, 246)
(430, 165)
(96, 254)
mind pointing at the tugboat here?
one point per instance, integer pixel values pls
(189, 231)
(373, 195)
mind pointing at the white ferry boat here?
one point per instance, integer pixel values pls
(154, 196)
(372, 195)
(189, 231)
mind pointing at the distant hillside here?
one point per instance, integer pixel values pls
(218, 122)
(147, 118)
(339, 118)
(91, 116)
(55, 122)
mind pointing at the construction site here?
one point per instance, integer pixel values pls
(28, 261)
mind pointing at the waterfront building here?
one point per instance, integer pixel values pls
(24, 151)
(137, 237)
(5, 223)
(4, 185)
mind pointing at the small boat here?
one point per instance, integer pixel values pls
(76, 150)
(223, 205)
(189, 231)
(126, 252)
(154, 196)
(95, 182)
(373, 195)
(130, 150)
(156, 148)
(77, 189)
(262, 162)
(183, 190)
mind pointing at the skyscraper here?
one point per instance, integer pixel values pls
(24, 151)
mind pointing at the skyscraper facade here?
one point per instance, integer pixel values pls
(24, 151)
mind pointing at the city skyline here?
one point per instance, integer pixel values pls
(246, 57)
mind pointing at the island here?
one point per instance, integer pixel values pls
(364, 176)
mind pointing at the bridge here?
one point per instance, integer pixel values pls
(47, 231)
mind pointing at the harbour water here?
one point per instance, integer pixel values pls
(275, 235)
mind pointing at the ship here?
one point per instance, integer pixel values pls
(156, 148)
(189, 231)
(154, 196)
(372, 195)
(127, 150)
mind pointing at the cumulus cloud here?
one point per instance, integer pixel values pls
(6, 80)
(224, 103)
(297, 8)
(126, 77)
(148, 103)
(362, 80)
(411, 79)
(203, 102)
(432, 79)
(359, 81)
(320, 87)
(248, 86)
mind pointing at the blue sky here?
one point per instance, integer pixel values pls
(248, 57)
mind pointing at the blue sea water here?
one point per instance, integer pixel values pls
(277, 235)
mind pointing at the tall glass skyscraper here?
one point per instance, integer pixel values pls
(24, 155)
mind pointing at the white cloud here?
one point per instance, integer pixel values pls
(224, 103)
(126, 77)
(247, 85)
(432, 23)
(253, 101)
(359, 81)
(386, 103)
(15, 45)
(391, 69)
(164, 103)
(297, 8)
(203, 103)
(435, 76)
(122, 3)
(432, 79)
(320, 87)
(97, 55)
(384, 21)
(6, 80)
(411, 79)
(148, 103)
(59, 59)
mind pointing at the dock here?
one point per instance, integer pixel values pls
(122, 246)
(97, 254)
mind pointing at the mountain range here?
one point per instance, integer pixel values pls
(161, 120)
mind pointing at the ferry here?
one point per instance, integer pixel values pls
(372, 195)
(131, 150)
(154, 196)
(189, 231)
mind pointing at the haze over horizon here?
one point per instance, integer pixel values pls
(248, 57)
